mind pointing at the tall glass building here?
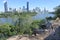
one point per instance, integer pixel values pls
(5, 6)
(27, 6)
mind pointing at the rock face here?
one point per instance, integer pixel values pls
(55, 35)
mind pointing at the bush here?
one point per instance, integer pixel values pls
(7, 30)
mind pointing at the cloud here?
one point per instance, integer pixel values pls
(4, 1)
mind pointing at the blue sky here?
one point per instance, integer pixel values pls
(48, 4)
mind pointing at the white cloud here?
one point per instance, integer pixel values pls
(4, 1)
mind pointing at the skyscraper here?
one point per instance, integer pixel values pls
(14, 10)
(27, 6)
(23, 8)
(5, 6)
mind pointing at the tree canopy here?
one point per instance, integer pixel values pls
(57, 11)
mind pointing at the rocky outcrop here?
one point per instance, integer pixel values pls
(56, 34)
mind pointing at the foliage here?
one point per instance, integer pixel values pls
(57, 11)
(23, 24)
(7, 30)
(49, 18)
(37, 23)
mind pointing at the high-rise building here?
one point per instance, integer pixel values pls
(23, 8)
(5, 6)
(10, 9)
(14, 10)
(27, 6)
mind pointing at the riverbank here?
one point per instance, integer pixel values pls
(50, 34)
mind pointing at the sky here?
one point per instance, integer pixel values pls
(48, 4)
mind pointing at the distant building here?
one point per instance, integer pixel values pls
(45, 11)
(37, 9)
(24, 9)
(27, 6)
(5, 6)
(19, 10)
(14, 10)
(10, 8)
(33, 10)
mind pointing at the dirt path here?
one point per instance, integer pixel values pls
(38, 37)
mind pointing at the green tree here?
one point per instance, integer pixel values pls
(36, 24)
(57, 11)
(23, 22)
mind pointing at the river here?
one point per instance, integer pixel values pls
(37, 16)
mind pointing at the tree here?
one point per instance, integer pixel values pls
(36, 24)
(57, 11)
(23, 22)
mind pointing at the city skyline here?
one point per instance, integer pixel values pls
(48, 4)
